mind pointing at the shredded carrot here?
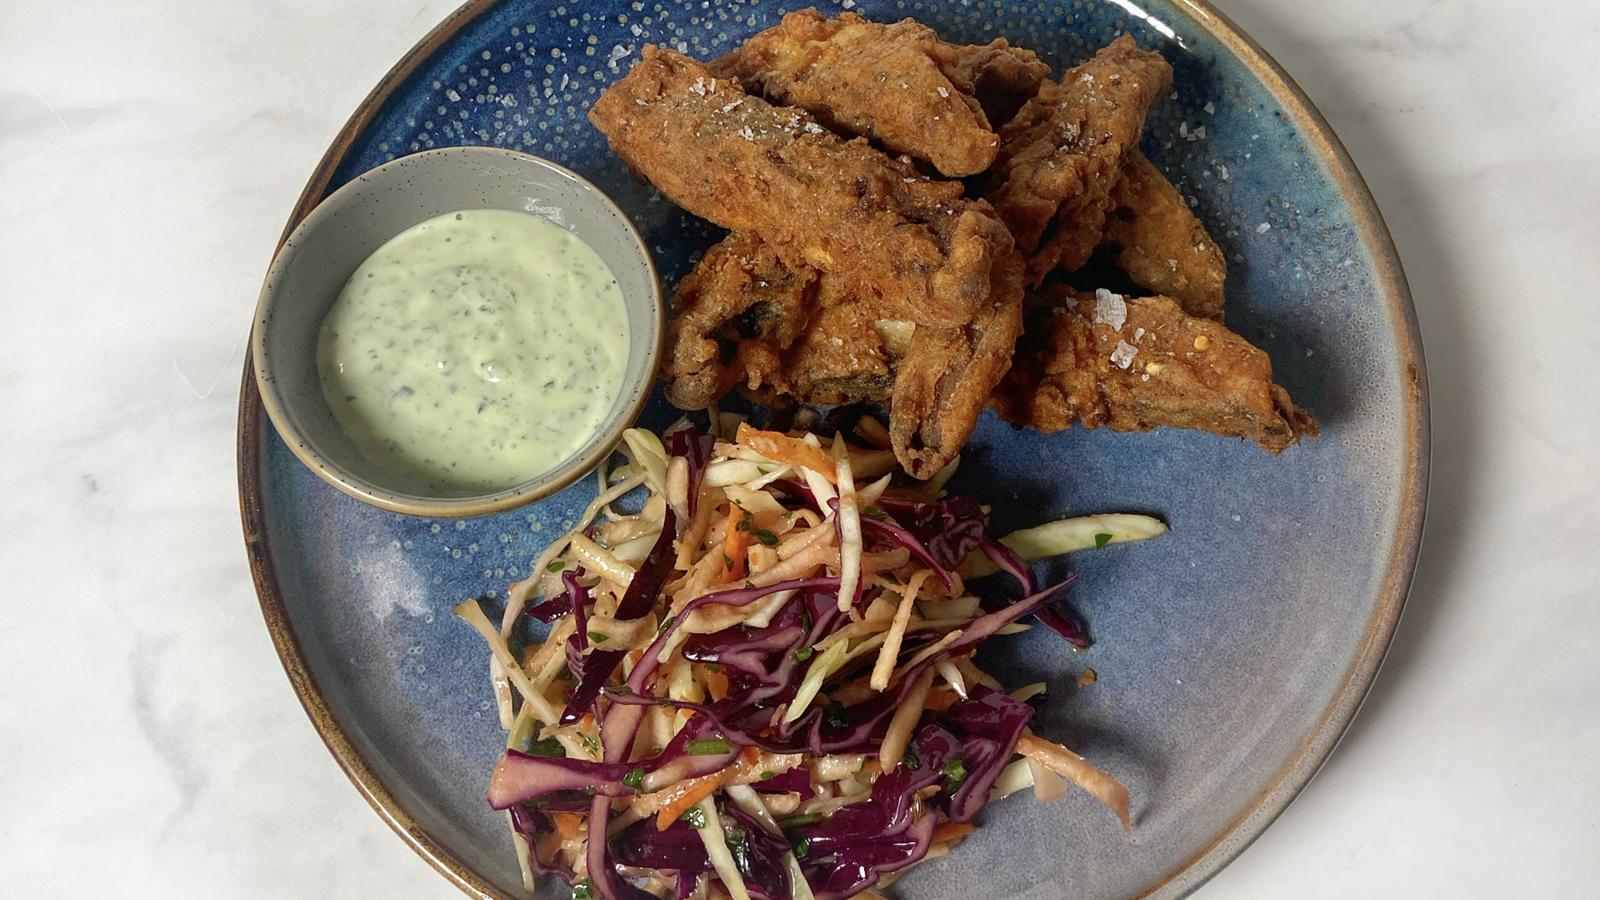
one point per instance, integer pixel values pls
(940, 699)
(716, 684)
(735, 545)
(950, 831)
(568, 825)
(687, 794)
(785, 449)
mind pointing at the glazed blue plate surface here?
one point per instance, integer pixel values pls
(1230, 653)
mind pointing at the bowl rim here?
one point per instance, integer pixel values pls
(1291, 779)
(353, 484)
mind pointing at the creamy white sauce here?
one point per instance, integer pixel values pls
(475, 351)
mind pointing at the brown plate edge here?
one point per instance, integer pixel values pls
(1242, 831)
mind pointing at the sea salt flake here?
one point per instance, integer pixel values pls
(747, 134)
(1263, 228)
(1211, 108)
(1138, 333)
(1123, 356)
(698, 88)
(1109, 309)
(943, 92)
(813, 128)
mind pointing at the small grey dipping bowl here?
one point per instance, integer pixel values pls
(356, 220)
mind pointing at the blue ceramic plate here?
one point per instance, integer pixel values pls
(1231, 653)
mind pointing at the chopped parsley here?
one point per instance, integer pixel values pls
(634, 779)
(709, 747)
(766, 537)
(584, 890)
(598, 638)
(804, 653)
(745, 522)
(739, 845)
(768, 774)
(911, 760)
(801, 847)
(593, 743)
(955, 772)
(1101, 539)
(556, 566)
(546, 747)
(695, 816)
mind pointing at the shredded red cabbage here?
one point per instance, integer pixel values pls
(1052, 616)
(797, 780)
(637, 601)
(521, 777)
(757, 853)
(987, 727)
(848, 871)
(694, 445)
(904, 538)
(950, 528)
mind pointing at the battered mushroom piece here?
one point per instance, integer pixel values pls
(1002, 77)
(1132, 364)
(743, 319)
(733, 315)
(889, 82)
(1153, 236)
(1063, 153)
(912, 246)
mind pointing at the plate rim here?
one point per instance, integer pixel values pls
(1235, 837)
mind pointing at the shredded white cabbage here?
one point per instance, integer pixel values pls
(717, 849)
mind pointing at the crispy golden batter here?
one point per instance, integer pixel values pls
(1063, 153)
(1135, 364)
(911, 246)
(744, 319)
(1152, 235)
(733, 316)
(886, 82)
(945, 380)
(1000, 76)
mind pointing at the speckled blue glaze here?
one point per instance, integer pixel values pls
(1218, 647)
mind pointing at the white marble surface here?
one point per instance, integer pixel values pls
(149, 743)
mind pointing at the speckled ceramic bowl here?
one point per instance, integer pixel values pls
(344, 229)
(1231, 653)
